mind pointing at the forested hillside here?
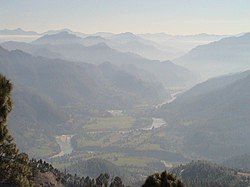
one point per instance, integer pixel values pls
(213, 117)
(86, 83)
(206, 174)
(228, 55)
(45, 102)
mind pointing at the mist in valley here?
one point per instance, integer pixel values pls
(130, 104)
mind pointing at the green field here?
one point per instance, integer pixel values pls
(109, 123)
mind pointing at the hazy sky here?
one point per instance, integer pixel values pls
(138, 16)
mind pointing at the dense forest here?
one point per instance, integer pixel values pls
(206, 174)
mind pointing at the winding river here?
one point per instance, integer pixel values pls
(66, 148)
(64, 141)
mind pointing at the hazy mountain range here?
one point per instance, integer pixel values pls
(227, 55)
(17, 31)
(106, 91)
(55, 88)
(158, 46)
(213, 117)
(71, 47)
(183, 42)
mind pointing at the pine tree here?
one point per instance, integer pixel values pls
(14, 166)
(162, 180)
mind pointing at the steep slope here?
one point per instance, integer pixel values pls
(214, 84)
(220, 57)
(82, 83)
(93, 167)
(49, 91)
(34, 121)
(147, 50)
(202, 173)
(124, 81)
(167, 73)
(213, 123)
(59, 38)
(36, 50)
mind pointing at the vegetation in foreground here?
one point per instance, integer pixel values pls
(18, 170)
(163, 179)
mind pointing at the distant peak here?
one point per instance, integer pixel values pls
(105, 64)
(130, 33)
(3, 49)
(19, 29)
(62, 34)
(127, 34)
(102, 44)
(94, 37)
(246, 34)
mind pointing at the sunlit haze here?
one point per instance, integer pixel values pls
(147, 16)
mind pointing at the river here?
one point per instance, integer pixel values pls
(157, 123)
(173, 97)
(64, 142)
(66, 148)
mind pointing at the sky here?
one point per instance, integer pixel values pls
(137, 16)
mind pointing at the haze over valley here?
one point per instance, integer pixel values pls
(132, 105)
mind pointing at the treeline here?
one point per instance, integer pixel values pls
(70, 180)
(14, 166)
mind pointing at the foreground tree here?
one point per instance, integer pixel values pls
(162, 180)
(14, 166)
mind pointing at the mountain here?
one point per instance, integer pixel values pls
(86, 83)
(167, 73)
(103, 34)
(16, 167)
(182, 42)
(171, 75)
(93, 40)
(17, 31)
(214, 84)
(201, 37)
(203, 173)
(227, 55)
(124, 81)
(44, 100)
(129, 42)
(36, 50)
(63, 37)
(52, 32)
(147, 50)
(34, 121)
(128, 37)
(93, 167)
(124, 42)
(211, 119)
